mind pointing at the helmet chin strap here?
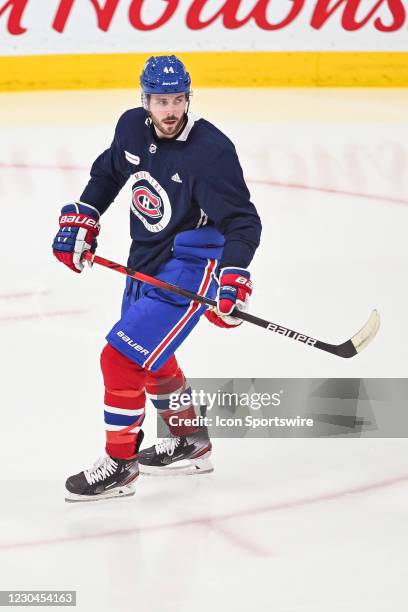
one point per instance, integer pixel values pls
(145, 101)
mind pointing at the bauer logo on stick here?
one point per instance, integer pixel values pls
(291, 334)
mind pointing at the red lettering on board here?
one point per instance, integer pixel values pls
(16, 13)
(104, 14)
(229, 12)
(325, 8)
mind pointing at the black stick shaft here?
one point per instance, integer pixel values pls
(346, 349)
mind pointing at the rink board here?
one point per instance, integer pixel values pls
(210, 69)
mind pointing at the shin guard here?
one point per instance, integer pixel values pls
(164, 387)
(124, 403)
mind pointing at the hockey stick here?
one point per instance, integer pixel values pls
(347, 349)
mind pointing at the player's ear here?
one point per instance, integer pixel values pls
(145, 98)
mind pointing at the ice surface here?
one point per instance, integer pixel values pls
(283, 525)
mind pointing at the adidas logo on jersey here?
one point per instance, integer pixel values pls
(176, 178)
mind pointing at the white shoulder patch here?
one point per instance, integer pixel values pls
(133, 159)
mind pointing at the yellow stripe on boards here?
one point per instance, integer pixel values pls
(210, 69)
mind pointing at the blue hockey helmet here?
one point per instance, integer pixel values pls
(165, 74)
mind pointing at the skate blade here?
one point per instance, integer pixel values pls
(126, 491)
(187, 467)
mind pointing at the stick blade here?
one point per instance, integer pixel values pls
(367, 333)
(361, 339)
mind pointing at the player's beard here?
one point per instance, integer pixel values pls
(168, 129)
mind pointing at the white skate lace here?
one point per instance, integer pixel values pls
(101, 469)
(168, 446)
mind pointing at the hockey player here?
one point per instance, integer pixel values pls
(191, 221)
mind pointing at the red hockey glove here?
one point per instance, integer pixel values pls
(79, 227)
(234, 291)
(219, 321)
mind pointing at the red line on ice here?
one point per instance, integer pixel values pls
(368, 196)
(23, 294)
(239, 540)
(44, 315)
(208, 520)
(25, 166)
(355, 194)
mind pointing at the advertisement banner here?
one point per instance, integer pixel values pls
(299, 40)
(129, 26)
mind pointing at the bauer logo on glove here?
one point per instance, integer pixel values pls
(234, 292)
(77, 220)
(79, 227)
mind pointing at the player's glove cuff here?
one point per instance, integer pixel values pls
(235, 290)
(223, 321)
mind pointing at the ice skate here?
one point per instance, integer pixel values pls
(178, 455)
(107, 478)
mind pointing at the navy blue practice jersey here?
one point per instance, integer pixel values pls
(178, 184)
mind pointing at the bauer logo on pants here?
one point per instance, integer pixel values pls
(138, 347)
(150, 202)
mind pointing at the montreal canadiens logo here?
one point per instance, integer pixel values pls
(150, 202)
(147, 202)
